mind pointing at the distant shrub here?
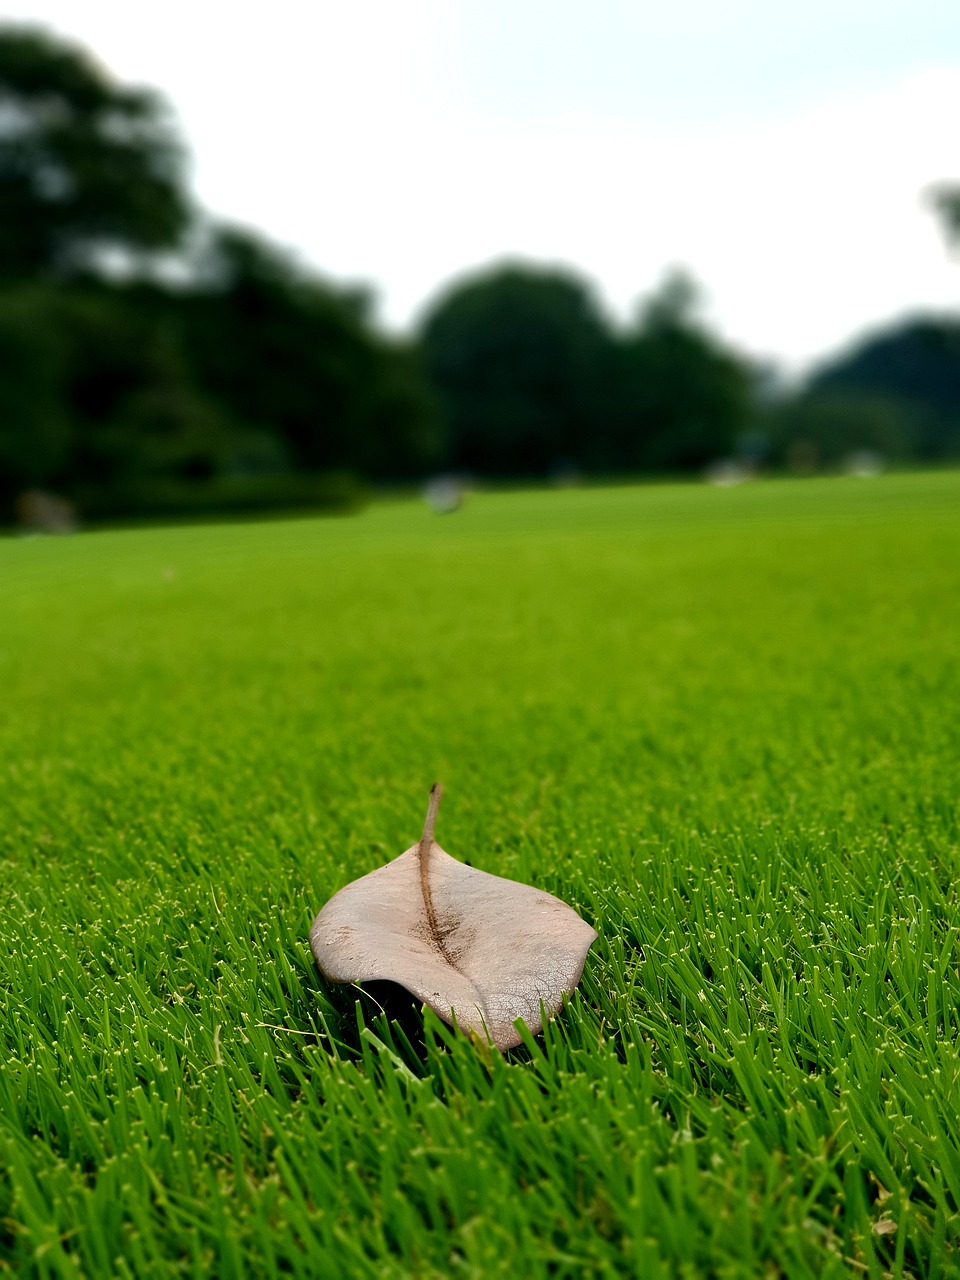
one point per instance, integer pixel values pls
(332, 492)
(820, 428)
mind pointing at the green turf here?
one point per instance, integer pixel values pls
(725, 725)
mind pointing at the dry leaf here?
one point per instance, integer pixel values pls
(473, 946)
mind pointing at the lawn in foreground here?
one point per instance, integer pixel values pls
(722, 724)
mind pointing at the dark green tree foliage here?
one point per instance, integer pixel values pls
(820, 427)
(278, 348)
(125, 395)
(36, 432)
(110, 393)
(530, 375)
(86, 166)
(945, 199)
(680, 399)
(95, 394)
(915, 369)
(517, 358)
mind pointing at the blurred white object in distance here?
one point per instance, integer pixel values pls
(444, 494)
(865, 463)
(726, 472)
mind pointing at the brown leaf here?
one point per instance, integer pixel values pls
(473, 946)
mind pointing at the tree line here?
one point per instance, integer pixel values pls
(154, 360)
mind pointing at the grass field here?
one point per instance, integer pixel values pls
(724, 725)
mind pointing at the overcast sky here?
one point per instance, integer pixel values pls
(779, 151)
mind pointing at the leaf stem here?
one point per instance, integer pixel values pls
(436, 791)
(423, 854)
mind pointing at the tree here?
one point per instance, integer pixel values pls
(88, 168)
(915, 368)
(281, 350)
(679, 399)
(945, 199)
(516, 355)
(530, 375)
(96, 393)
(819, 427)
(117, 390)
(36, 432)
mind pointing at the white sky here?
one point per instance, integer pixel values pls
(779, 151)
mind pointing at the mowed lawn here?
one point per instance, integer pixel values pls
(723, 724)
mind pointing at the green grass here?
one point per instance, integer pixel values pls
(725, 725)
